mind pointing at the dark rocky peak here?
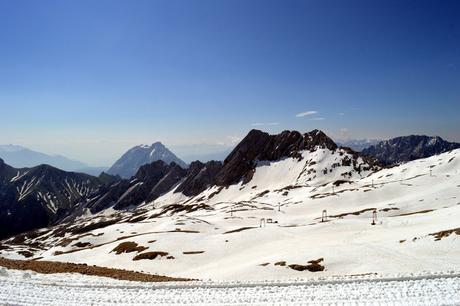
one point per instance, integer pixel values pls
(199, 177)
(108, 179)
(167, 182)
(154, 170)
(260, 146)
(6, 172)
(150, 182)
(318, 138)
(157, 144)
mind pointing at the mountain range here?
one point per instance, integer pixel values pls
(403, 149)
(44, 195)
(53, 195)
(21, 157)
(279, 206)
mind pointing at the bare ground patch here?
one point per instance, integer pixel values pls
(49, 267)
(443, 234)
(151, 255)
(240, 229)
(312, 266)
(128, 247)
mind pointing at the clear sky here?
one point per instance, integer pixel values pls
(89, 79)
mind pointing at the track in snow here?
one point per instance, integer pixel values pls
(22, 288)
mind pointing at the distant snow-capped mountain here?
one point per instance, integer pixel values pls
(403, 149)
(141, 155)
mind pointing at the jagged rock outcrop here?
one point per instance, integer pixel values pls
(403, 149)
(150, 182)
(199, 177)
(108, 179)
(131, 161)
(142, 184)
(257, 145)
(174, 175)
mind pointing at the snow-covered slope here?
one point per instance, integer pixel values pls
(271, 226)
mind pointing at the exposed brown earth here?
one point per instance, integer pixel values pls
(128, 247)
(82, 244)
(192, 252)
(443, 234)
(150, 255)
(26, 254)
(313, 266)
(49, 267)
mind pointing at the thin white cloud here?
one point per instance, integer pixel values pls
(305, 114)
(341, 114)
(318, 118)
(265, 124)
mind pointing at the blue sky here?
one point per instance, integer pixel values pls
(89, 79)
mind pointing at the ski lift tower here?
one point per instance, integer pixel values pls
(374, 217)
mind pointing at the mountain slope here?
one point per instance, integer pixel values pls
(403, 149)
(138, 156)
(36, 197)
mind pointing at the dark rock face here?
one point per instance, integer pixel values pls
(258, 145)
(167, 182)
(152, 181)
(36, 197)
(403, 149)
(199, 177)
(108, 179)
(131, 161)
(149, 183)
